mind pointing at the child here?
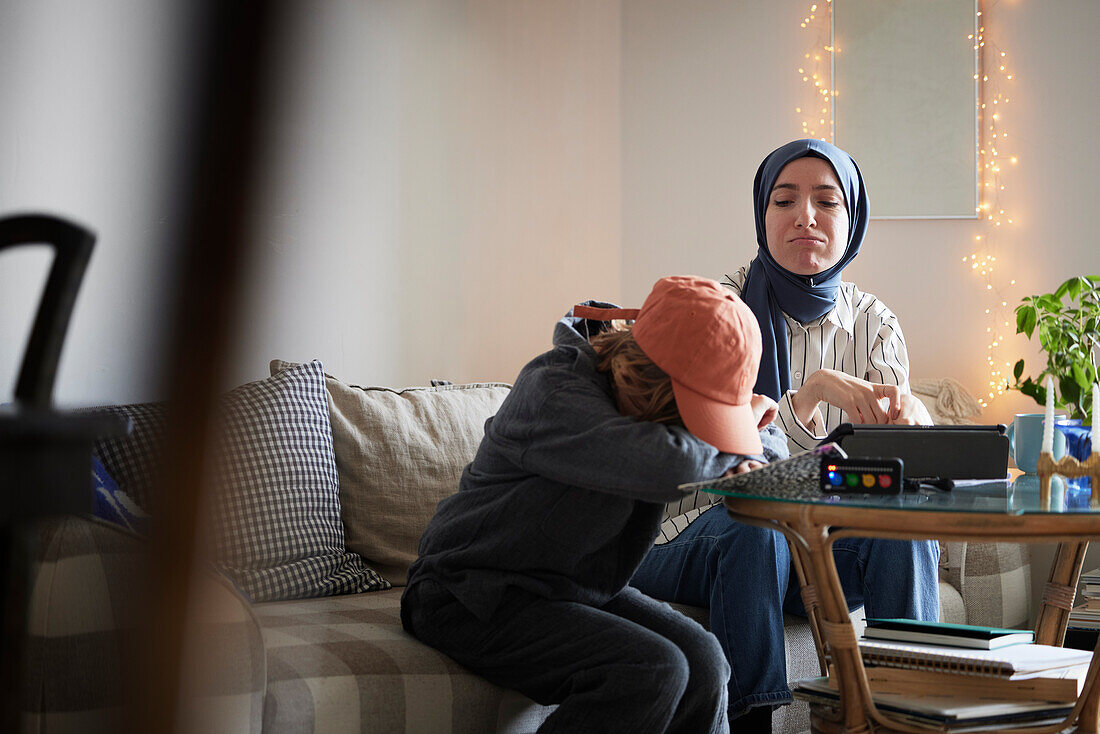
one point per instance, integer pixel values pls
(522, 574)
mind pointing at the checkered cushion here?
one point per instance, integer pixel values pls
(276, 517)
(344, 664)
(132, 460)
(276, 509)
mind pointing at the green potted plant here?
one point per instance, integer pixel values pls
(1067, 321)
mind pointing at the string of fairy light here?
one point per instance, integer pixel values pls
(816, 72)
(994, 155)
(994, 79)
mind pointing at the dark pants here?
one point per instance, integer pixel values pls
(634, 665)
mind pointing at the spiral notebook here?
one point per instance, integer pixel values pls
(1013, 662)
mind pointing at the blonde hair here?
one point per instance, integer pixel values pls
(642, 389)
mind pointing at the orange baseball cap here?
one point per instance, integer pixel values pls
(708, 342)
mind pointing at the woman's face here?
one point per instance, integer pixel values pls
(806, 221)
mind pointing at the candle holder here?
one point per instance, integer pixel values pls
(1069, 467)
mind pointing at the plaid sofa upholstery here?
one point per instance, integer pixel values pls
(342, 663)
(331, 664)
(84, 639)
(323, 653)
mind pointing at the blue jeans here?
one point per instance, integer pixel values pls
(743, 574)
(633, 665)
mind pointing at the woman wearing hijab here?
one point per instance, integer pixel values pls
(830, 354)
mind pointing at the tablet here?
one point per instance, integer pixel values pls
(944, 452)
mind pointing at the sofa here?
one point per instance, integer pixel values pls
(307, 637)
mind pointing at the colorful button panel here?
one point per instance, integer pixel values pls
(855, 477)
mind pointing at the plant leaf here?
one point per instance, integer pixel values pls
(1018, 370)
(1034, 390)
(1069, 391)
(1080, 377)
(1026, 318)
(1049, 303)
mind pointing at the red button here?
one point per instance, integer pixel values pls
(884, 481)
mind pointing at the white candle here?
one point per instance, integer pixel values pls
(1048, 422)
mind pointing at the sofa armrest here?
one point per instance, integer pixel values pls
(83, 637)
(224, 664)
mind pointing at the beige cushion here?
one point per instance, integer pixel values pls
(947, 400)
(398, 453)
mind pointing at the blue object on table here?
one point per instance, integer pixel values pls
(1078, 437)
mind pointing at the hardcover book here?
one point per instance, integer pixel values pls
(946, 712)
(942, 633)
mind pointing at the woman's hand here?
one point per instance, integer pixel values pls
(764, 410)
(863, 401)
(912, 413)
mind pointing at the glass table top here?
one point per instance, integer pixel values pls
(1017, 496)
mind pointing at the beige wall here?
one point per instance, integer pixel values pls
(443, 184)
(710, 87)
(447, 177)
(89, 94)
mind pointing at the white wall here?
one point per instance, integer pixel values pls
(710, 87)
(447, 177)
(443, 184)
(88, 93)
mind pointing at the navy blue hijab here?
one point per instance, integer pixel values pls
(771, 290)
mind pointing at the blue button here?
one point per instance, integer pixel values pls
(835, 479)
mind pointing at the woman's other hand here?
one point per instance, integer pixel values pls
(913, 412)
(764, 410)
(863, 401)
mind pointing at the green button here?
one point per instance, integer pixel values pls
(851, 479)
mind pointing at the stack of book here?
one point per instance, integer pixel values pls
(1086, 613)
(961, 677)
(1084, 618)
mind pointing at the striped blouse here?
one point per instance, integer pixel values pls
(860, 336)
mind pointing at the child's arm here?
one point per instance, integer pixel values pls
(575, 435)
(678, 510)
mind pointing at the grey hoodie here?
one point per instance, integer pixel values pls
(565, 494)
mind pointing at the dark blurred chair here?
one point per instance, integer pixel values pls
(45, 455)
